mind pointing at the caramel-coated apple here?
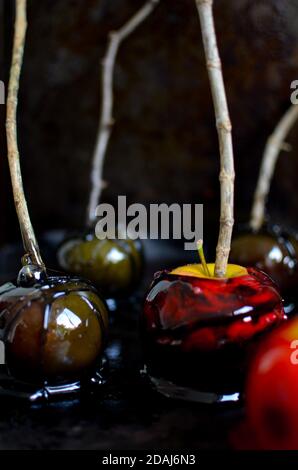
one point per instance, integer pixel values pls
(54, 331)
(274, 252)
(53, 327)
(113, 265)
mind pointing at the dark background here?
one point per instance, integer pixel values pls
(164, 145)
(164, 149)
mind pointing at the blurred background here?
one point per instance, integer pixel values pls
(164, 145)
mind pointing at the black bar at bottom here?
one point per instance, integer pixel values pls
(146, 459)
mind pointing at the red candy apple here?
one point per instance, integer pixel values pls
(272, 390)
(201, 321)
(198, 330)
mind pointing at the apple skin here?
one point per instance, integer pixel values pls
(113, 266)
(274, 252)
(272, 390)
(53, 332)
(199, 332)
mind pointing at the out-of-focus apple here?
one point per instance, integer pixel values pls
(272, 390)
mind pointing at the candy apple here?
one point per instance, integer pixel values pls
(272, 390)
(54, 331)
(53, 327)
(113, 265)
(198, 330)
(273, 251)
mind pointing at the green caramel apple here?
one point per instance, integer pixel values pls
(274, 252)
(54, 332)
(115, 266)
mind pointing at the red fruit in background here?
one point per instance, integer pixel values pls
(272, 390)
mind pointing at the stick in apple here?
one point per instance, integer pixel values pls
(106, 118)
(29, 240)
(224, 129)
(275, 143)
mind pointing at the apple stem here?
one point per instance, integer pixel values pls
(224, 130)
(202, 258)
(29, 241)
(106, 118)
(275, 143)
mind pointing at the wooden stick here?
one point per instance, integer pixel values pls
(29, 240)
(224, 129)
(106, 118)
(275, 143)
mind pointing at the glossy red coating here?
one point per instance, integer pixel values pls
(198, 332)
(272, 390)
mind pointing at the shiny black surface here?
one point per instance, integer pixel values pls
(127, 413)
